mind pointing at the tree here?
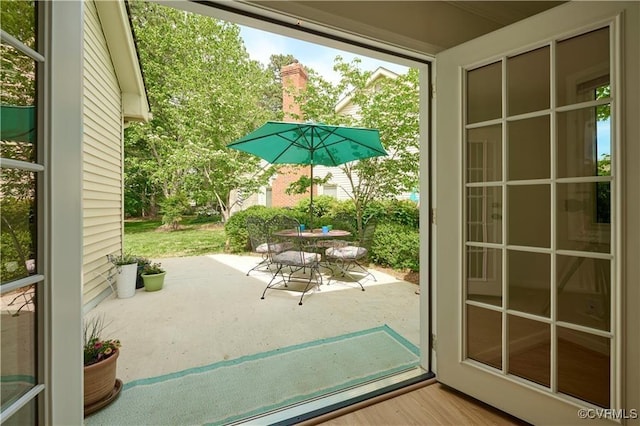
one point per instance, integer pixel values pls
(204, 92)
(18, 190)
(392, 107)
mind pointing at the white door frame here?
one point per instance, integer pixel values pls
(509, 394)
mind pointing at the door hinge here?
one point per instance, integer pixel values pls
(433, 216)
(434, 342)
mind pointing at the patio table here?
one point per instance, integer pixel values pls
(314, 236)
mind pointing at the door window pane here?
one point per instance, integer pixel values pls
(484, 275)
(529, 215)
(584, 366)
(27, 415)
(484, 93)
(584, 216)
(584, 291)
(530, 350)
(18, 349)
(484, 336)
(581, 61)
(584, 142)
(17, 105)
(529, 148)
(484, 208)
(529, 282)
(528, 81)
(18, 226)
(484, 154)
(18, 18)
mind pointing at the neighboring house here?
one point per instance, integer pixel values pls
(294, 79)
(114, 95)
(339, 186)
(545, 210)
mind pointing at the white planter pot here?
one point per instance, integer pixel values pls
(126, 280)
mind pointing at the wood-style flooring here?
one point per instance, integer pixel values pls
(434, 404)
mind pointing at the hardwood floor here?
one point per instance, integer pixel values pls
(434, 404)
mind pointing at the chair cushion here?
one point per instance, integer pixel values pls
(275, 247)
(297, 258)
(346, 253)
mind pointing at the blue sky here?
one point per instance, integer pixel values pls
(261, 45)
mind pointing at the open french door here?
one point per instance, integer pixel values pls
(528, 232)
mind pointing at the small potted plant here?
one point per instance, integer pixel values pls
(153, 276)
(142, 262)
(100, 360)
(127, 270)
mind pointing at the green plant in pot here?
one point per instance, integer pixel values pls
(127, 269)
(100, 361)
(142, 262)
(153, 277)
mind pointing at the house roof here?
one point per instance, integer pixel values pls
(381, 72)
(124, 55)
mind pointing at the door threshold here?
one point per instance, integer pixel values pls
(340, 400)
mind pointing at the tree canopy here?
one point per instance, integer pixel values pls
(204, 92)
(390, 105)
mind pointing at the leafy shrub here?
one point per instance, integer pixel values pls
(236, 227)
(403, 212)
(322, 206)
(396, 246)
(172, 210)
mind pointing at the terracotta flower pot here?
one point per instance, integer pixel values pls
(100, 379)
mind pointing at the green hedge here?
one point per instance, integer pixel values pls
(396, 242)
(396, 246)
(236, 226)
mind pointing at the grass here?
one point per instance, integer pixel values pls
(147, 238)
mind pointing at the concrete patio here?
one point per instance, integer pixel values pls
(209, 311)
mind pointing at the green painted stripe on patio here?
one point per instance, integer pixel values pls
(232, 390)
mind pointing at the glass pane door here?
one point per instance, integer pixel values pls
(538, 217)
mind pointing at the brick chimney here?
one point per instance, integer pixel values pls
(294, 79)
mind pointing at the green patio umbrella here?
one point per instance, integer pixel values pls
(310, 144)
(18, 123)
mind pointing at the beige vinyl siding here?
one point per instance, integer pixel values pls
(338, 178)
(351, 110)
(102, 159)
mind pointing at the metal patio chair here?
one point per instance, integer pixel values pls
(350, 258)
(285, 231)
(258, 237)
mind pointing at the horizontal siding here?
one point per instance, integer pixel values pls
(351, 109)
(98, 230)
(102, 158)
(91, 221)
(98, 254)
(338, 178)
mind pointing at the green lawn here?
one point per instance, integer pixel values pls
(148, 239)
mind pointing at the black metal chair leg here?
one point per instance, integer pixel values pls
(273, 278)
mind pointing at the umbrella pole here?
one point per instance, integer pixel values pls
(311, 200)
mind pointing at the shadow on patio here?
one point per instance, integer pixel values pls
(209, 311)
